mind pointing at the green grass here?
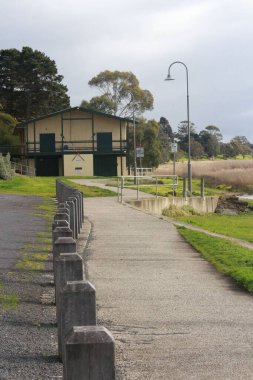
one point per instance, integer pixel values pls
(32, 262)
(45, 187)
(89, 191)
(40, 186)
(9, 301)
(227, 257)
(34, 254)
(237, 226)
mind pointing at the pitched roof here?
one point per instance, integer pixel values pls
(82, 109)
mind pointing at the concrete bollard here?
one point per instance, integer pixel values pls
(77, 308)
(61, 216)
(63, 210)
(82, 207)
(68, 267)
(89, 354)
(59, 223)
(79, 198)
(77, 212)
(61, 232)
(72, 217)
(64, 245)
(62, 205)
(73, 199)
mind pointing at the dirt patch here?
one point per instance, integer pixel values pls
(231, 205)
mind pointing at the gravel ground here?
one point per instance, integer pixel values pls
(28, 348)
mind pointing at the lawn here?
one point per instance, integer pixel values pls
(45, 187)
(90, 191)
(227, 257)
(238, 226)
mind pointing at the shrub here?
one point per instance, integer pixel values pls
(6, 172)
(176, 212)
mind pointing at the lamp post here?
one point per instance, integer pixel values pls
(188, 123)
(134, 127)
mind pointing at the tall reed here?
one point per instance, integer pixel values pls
(236, 173)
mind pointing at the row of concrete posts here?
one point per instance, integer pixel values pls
(86, 349)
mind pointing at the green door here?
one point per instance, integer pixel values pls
(104, 142)
(47, 142)
(105, 166)
(47, 166)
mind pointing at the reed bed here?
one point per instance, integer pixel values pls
(235, 173)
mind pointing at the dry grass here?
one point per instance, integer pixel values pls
(236, 173)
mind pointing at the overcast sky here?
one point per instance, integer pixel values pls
(214, 38)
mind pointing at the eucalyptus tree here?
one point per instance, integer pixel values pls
(120, 94)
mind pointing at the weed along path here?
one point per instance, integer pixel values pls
(18, 226)
(172, 315)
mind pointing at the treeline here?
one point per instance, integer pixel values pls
(157, 139)
(30, 86)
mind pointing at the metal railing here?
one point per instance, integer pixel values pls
(139, 182)
(23, 169)
(77, 146)
(141, 171)
(13, 150)
(80, 146)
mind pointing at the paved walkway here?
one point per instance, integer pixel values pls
(172, 315)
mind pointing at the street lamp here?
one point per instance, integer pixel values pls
(134, 130)
(188, 124)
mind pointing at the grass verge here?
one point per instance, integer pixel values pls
(90, 191)
(227, 257)
(45, 187)
(35, 254)
(237, 226)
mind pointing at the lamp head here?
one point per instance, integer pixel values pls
(169, 77)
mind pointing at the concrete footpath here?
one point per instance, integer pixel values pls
(172, 315)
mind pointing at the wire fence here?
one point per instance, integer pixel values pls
(139, 183)
(23, 169)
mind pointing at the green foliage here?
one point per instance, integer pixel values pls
(6, 172)
(210, 142)
(214, 131)
(176, 212)
(227, 257)
(147, 135)
(99, 103)
(29, 84)
(7, 121)
(241, 145)
(7, 125)
(182, 130)
(166, 137)
(197, 150)
(120, 93)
